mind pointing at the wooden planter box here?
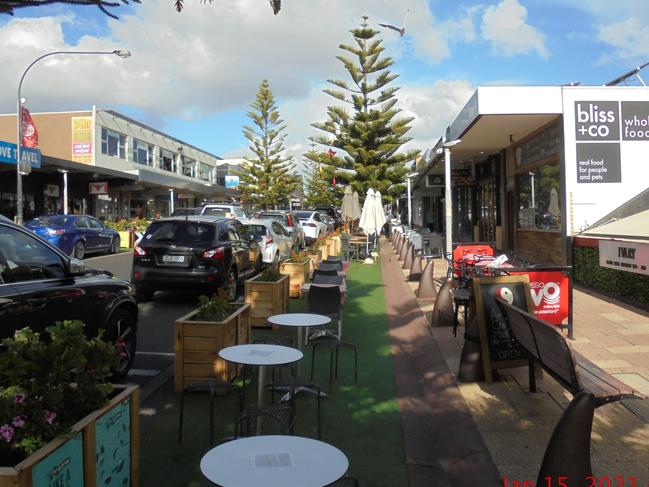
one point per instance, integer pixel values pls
(266, 299)
(299, 275)
(338, 245)
(315, 259)
(324, 251)
(331, 246)
(197, 346)
(101, 449)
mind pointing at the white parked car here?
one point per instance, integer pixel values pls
(312, 224)
(224, 209)
(274, 240)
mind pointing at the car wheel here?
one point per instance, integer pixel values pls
(121, 331)
(231, 285)
(79, 250)
(144, 295)
(114, 246)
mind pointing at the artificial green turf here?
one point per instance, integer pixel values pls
(362, 420)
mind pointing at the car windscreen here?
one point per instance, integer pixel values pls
(256, 230)
(49, 221)
(303, 215)
(274, 216)
(186, 211)
(184, 233)
(216, 212)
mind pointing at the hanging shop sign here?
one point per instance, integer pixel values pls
(98, 188)
(51, 190)
(624, 256)
(231, 181)
(27, 154)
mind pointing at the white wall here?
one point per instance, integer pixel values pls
(608, 127)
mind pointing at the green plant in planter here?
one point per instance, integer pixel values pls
(269, 274)
(50, 381)
(301, 257)
(215, 308)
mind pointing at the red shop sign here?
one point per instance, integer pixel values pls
(550, 295)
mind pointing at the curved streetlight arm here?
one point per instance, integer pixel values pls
(123, 53)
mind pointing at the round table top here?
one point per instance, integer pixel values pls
(274, 461)
(260, 354)
(299, 319)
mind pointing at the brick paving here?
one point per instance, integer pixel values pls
(516, 427)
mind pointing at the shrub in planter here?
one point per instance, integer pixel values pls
(49, 382)
(267, 294)
(298, 267)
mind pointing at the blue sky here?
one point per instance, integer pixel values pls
(193, 75)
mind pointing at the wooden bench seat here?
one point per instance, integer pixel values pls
(568, 453)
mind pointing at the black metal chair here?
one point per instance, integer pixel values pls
(325, 300)
(213, 387)
(348, 250)
(325, 272)
(329, 266)
(273, 419)
(334, 258)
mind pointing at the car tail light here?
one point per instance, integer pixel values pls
(289, 221)
(137, 276)
(137, 250)
(55, 231)
(269, 240)
(214, 254)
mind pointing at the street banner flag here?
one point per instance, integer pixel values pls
(28, 129)
(334, 181)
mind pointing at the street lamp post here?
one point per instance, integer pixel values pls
(408, 177)
(448, 204)
(123, 53)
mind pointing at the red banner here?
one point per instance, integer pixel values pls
(550, 295)
(28, 129)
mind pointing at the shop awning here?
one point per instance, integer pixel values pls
(632, 227)
(149, 176)
(53, 163)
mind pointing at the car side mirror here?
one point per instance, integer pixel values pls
(76, 267)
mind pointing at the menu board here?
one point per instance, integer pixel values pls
(499, 349)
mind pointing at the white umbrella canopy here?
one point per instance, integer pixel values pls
(347, 206)
(379, 214)
(367, 213)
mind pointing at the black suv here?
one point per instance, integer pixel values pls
(194, 253)
(331, 212)
(39, 285)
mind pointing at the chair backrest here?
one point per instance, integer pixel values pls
(324, 279)
(324, 299)
(545, 342)
(334, 258)
(325, 272)
(327, 265)
(277, 419)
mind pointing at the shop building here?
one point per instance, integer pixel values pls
(536, 166)
(111, 166)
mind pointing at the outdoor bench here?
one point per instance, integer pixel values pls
(568, 452)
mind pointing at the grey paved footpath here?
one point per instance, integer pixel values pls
(443, 445)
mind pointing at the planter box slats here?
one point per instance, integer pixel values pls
(197, 344)
(117, 423)
(266, 299)
(298, 274)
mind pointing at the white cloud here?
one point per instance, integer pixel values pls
(629, 38)
(505, 27)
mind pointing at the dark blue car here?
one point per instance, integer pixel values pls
(76, 235)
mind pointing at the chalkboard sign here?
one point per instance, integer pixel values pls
(499, 349)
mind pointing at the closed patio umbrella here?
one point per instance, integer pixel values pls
(368, 218)
(356, 208)
(347, 205)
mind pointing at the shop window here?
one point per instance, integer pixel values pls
(204, 171)
(142, 152)
(167, 160)
(539, 198)
(113, 143)
(189, 168)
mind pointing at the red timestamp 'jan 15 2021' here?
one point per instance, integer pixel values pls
(590, 481)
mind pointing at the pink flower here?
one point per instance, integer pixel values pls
(50, 416)
(6, 432)
(19, 398)
(18, 421)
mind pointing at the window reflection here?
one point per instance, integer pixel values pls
(538, 198)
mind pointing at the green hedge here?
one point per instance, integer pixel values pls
(588, 273)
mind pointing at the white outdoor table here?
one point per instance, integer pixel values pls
(274, 461)
(261, 355)
(299, 320)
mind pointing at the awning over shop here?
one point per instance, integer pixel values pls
(632, 227)
(148, 176)
(52, 164)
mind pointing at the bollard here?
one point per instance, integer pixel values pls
(402, 242)
(403, 249)
(415, 269)
(443, 310)
(410, 256)
(427, 288)
(397, 241)
(471, 369)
